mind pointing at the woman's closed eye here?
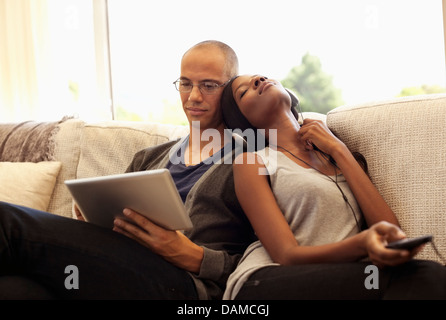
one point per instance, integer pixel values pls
(243, 93)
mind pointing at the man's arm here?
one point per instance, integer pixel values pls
(78, 213)
(173, 246)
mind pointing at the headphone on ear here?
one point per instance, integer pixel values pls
(295, 106)
(296, 110)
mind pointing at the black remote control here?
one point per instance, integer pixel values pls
(409, 243)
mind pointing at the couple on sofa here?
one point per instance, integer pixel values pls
(294, 233)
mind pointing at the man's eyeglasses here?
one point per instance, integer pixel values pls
(205, 87)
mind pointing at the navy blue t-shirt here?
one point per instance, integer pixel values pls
(186, 176)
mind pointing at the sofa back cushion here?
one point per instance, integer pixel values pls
(29, 184)
(67, 151)
(404, 142)
(34, 142)
(108, 147)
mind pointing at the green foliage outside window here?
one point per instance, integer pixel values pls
(313, 86)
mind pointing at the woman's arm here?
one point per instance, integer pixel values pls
(258, 202)
(372, 204)
(260, 206)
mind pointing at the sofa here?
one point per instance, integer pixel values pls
(403, 140)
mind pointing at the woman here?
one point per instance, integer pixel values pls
(308, 211)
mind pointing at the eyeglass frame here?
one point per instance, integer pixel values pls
(214, 90)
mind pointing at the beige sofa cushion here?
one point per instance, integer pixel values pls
(33, 141)
(28, 184)
(313, 116)
(404, 142)
(66, 150)
(108, 147)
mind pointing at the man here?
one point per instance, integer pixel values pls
(140, 260)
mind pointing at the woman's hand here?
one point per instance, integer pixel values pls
(173, 246)
(378, 236)
(316, 133)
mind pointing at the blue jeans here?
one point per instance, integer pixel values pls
(37, 247)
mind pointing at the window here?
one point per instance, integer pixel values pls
(117, 59)
(52, 65)
(368, 49)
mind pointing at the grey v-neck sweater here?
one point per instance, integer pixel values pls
(219, 223)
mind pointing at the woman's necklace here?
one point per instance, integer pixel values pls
(335, 181)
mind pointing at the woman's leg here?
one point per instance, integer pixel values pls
(341, 281)
(75, 259)
(347, 281)
(417, 279)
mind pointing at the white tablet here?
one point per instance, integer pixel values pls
(152, 193)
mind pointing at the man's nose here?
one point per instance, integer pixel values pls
(195, 94)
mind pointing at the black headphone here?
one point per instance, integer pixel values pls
(295, 106)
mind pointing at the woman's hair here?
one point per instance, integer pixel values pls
(234, 118)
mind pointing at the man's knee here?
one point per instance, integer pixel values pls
(21, 288)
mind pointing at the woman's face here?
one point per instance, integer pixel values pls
(259, 98)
